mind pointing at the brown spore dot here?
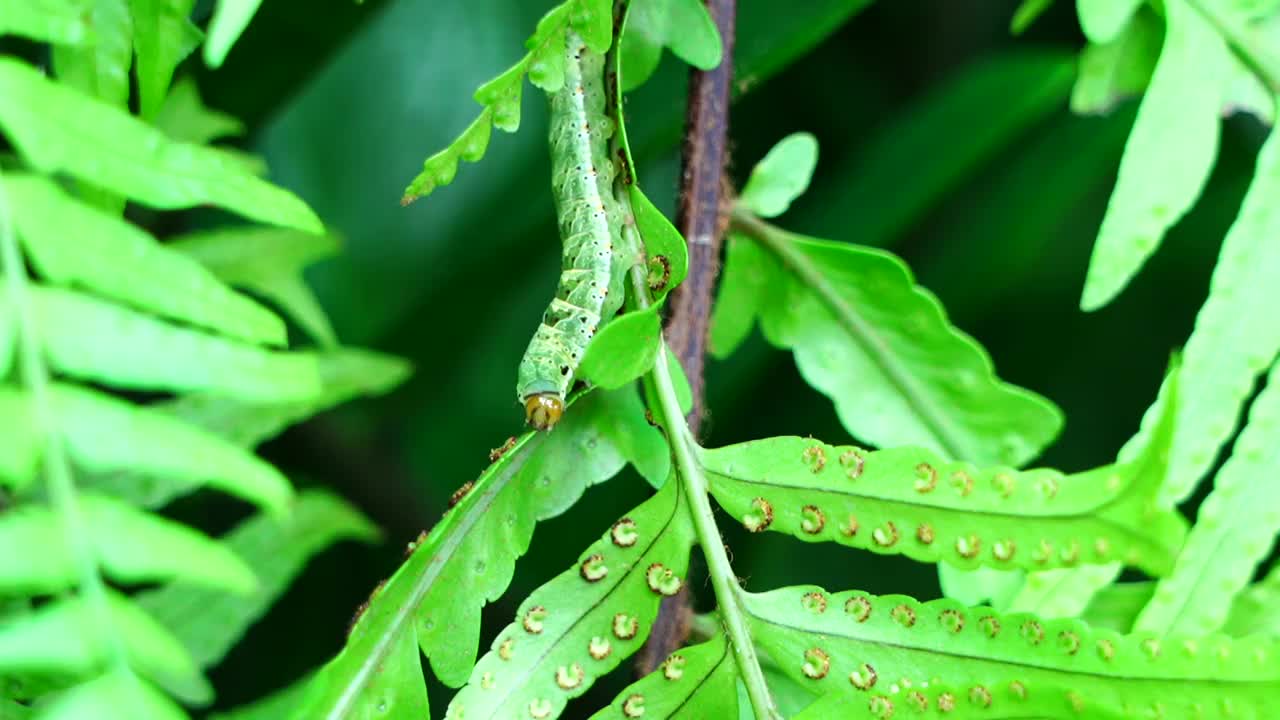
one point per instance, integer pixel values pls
(1069, 642)
(569, 677)
(990, 625)
(952, 620)
(533, 619)
(594, 569)
(979, 695)
(624, 533)
(815, 456)
(816, 664)
(863, 677)
(812, 519)
(625, 626)
(673, 667)
(887, 535)
(633, 706)
(1032, 632)
(924, 534)
(814, 602)
(904, 615)
(759, 517)
(926, 478)
(599, 648)
(859, 606)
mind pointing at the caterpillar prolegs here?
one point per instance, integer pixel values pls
(594, 265)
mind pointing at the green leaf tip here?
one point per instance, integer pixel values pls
(881, 347)
(1155, 187)
(911, 501)
(781, 176)
(543, 63)
(894, 653)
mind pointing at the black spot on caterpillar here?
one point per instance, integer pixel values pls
(591, 287)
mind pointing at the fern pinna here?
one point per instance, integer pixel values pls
(938, 475)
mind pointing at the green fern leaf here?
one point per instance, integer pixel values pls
(110, 695)
(624, 350)
(230, 18)
(74, 244)
(132, 546)
(862, 647)
(683, 26)
(272, 707)
(1103, 20)
(664, 245)
(105, 435)
(880, 347)
(93, 340)
(185, 118)
(268, 261)
(696, 682)
(912, 502)
(544, 63)
(1120, 68)
(20, 446)
(345, 373)
(587, 620)
(1213, 385)
(1116, 607)
(163, 36)
(209, 622)
(1026, 15)
(57, 129)
(61, 22)
(1235, 528)
(64, 639)
(11, 710)
(1254, 610)
(468, 558)
(1065, 592)
(781, 176)
(100, 69)
(1156, 187)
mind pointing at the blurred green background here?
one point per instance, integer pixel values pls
(943, 138)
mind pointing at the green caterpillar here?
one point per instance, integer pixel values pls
(594, 265)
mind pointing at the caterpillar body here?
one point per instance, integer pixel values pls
(594, 266)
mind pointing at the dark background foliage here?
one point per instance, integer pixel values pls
(943, 138)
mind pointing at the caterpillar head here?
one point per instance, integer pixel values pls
(543, 410)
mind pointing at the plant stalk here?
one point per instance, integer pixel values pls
(723, 579)
(702, 221)
(703, 207)
(59, 481)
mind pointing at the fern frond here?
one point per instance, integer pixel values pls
(1236, 526)
(132, 546)
(57, 129)
(913, 502)
(184, 116)
(544, 63)
(71, 243)
(230, 18)
(862, 647)
(61, 22)
(268, 261)
(587, 620)
(698, 681)
(877, 344)
(91, 339)
(434, 599)
(1213, 385)
(683, 26)
(208, 621)
(163, 36)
